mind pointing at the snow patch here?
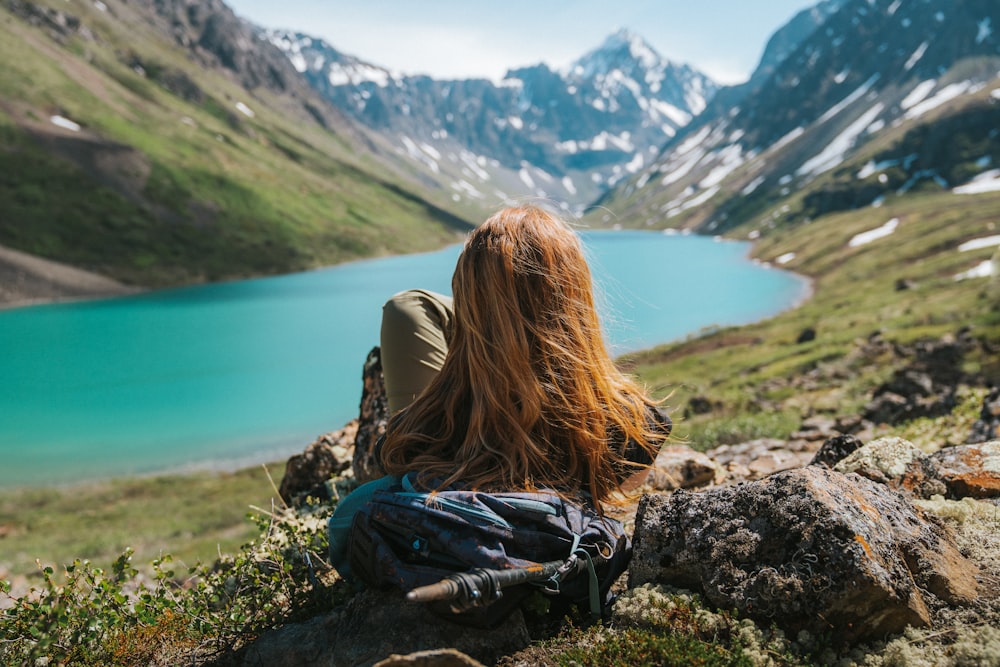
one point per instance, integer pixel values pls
(944, 95)
(65, 123)
(752, 185)
(526, 177)
(415, 152)
(784, 259)
(675, 115)
(984, 269)
(696, 201)
(850, 99)
(982, 242)
(693, 142)
(682, 170)
(101, 7)
(916, 56)
(468, 188)
(731, 158)
(918, 94)
(635, 164)
(995, 93)
(873, 167)
(338, 75)
(985, 30)
(988, 181)
(834, 153)
(568, 185)
(873, 234)
(245, 110)
(474, 164)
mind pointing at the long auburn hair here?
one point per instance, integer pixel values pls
(528, 394)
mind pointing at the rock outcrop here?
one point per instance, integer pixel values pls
(963, 471)
(306, 473)
(807, 549)
(375, 625)
(372, 421)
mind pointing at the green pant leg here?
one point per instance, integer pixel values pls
(416, 326)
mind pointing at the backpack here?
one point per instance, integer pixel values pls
(409, 539)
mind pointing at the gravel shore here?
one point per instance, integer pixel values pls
(27, 279)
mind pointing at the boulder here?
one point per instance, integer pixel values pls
(306, 473)
(808, 549)
(700, 405)
(970, 471)
(834, 449)
(925, 387)
(884, 460)
(898, 463)
(376, 625)
(372, 421)
(680, 467)
(987, 427)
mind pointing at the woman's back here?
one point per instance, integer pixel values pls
(527, 396)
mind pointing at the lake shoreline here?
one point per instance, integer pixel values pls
(27, 280)
(229, 465)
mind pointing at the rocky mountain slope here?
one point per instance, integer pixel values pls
(162, 142)
(883, 99)
(561, 135)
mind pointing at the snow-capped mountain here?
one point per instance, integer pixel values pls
(564, 135)
(882, 97)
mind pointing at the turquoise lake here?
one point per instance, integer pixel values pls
(239, 373)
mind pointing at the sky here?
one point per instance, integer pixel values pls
(458, 39)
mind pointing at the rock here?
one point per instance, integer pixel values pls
(924, 388)
(680, 467)
(758, 458)
(816, 428)
(970, 471)
(372, 421)
(307, 473)
(441, 658)
(700, 405)
(852, 425)
(375, 625)
(896, 462)
(774, 461)
(808, 549)
(886, 408)
(806, 335)
(884, 460)
(987, 427)
(835, 449)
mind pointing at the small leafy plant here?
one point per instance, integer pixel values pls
(89, 616)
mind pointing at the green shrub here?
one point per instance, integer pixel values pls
(634, 647)
(91, 617)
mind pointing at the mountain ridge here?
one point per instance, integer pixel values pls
(563, 135)
(872, 70)
(159, 142)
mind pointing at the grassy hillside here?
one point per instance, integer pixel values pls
(173, 171)
(902, 285)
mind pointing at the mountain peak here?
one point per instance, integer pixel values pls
(621, 50)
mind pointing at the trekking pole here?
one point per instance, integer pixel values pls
(481, 586)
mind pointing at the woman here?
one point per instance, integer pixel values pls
(526, 396)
